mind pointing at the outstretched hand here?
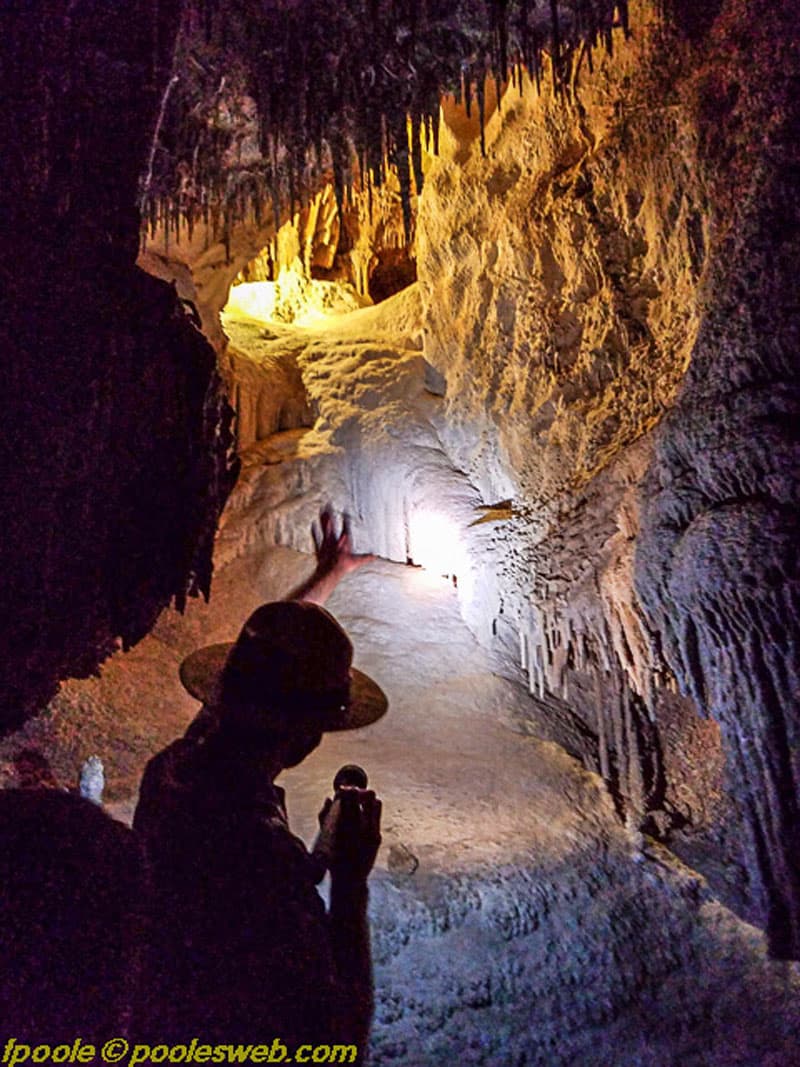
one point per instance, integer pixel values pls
(335, 559)
(335, 551)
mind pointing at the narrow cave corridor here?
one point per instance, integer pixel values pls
(512, 289)
(505, 879)
(507, 875)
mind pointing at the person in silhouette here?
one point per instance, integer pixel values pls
(243, 949)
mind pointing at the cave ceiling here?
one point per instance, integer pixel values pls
(269, 99)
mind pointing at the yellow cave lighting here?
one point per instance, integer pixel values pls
(293, 299)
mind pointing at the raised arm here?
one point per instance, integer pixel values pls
(335, 559)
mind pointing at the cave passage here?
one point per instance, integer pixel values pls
(508, 896)
(514, 288)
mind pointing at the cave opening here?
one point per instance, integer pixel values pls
(490, 283)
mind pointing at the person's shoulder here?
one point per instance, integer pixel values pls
(171, 763)
(167, 775)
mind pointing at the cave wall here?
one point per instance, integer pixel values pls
(561, 279)
(116, 439)
(606, 296)
(716, 561)
(368, 252)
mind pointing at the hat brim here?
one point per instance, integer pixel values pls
(201, 671)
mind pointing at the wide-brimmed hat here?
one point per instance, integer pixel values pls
(291, 665)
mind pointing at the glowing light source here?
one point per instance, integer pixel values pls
(293, 298)
(435, 543)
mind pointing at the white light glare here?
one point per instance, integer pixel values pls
(435, 544)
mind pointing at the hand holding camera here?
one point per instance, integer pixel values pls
(349, 836)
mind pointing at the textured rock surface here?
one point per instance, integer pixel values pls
(530, 930)
(114, 450)
(560, 290)
(568, 282)
(205, 263)
(376, 450)
(374, 447)
(609, 243)
(717, 562)
(560, 280)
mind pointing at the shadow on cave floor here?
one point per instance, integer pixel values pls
(513, 923)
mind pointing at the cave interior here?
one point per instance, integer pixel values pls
(514, 286)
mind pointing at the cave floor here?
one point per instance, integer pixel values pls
(514, 919)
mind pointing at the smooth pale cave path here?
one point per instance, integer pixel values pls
(458, 785)
(514, 920)
(533, 931)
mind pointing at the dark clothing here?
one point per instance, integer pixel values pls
(241, 945)
(72, 890)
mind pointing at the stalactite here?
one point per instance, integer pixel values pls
(343, 68)
(602, 739)
(556, 44)
(537, 73)
(622, 7)
(633, 756)
(416, 151)
(482, 113)
(618, 733)
(400, 160)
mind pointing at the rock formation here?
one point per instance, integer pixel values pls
(588, 400)
(587, 253)
(114, 454)
(620, 255)
(717, 562)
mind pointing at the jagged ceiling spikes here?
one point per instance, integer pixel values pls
(323, 74)
(556, 40)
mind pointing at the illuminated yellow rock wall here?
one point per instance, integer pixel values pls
(560, 274)
(606, 296)
(561, 279)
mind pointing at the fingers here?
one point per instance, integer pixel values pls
(360, 811)
(374, 813)
(358, 836)
(323, 532)
(345, 537)
(372, 808)
(335, 551)
(357, 801)
(321, 528)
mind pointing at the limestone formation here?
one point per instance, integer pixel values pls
(583, 413)
(602, 265)
(717, 563)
